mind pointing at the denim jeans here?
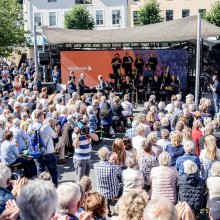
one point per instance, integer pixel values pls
(82, 167)
(49, 161)
(216, 105)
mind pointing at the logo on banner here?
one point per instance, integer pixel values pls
(80, 68)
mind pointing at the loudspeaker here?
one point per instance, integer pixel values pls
(44, 58)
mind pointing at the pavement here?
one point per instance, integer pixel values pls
(67, 172)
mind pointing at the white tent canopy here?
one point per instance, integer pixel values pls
(170, 31)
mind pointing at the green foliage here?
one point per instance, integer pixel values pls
(79, 18)
(11, 26)
(150, 13)
(213, 16)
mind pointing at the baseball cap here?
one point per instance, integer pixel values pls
(215, 208)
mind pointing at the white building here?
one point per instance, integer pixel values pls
(108, 14)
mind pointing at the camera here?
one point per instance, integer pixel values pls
(84, 130)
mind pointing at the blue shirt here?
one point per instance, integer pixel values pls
(174, 152)
(9, 152)
(180, 160)
(19, 137)
(5, 195)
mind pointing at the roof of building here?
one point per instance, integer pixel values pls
(184, 29)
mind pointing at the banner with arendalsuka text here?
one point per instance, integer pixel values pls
(94, 63)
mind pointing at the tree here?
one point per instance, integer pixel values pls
(150, 13)
(213, 16)
(79, 18)
(11, 28)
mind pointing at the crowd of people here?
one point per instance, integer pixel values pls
(164, 162)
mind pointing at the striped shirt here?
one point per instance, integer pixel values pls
(83, 152)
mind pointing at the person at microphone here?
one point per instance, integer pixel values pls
(102, 85)
(127, 64)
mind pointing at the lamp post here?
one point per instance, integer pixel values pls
(35, 51)
(198, 60)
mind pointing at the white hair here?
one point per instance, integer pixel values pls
(166, 207)
(131, 161)
(69, 195)
(215, 169)
(37, 200)
(161, 105)
(63, 110)
(164, 159)
(103, 153)
(188, 147)
(190, 167)
(5, 174)
(140, 129)
(90, 109)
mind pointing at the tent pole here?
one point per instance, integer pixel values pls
(198, 60)
(35, 52)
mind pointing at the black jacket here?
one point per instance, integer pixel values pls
(191, 190)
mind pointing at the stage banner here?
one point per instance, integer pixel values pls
(94, 63)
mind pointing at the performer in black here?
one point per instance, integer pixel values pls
(155, 86)
(153, 62)
(81, 84)
(116, 65)
(139, 64)
(71, 83)
(127, 86)
(127, 64)
(141, 87)
(174, 82)
(165, 77)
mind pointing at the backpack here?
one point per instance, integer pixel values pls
(36, 145)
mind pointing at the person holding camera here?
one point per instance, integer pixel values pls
(82, 137)
(215, 87)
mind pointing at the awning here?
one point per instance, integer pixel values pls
(184, 29)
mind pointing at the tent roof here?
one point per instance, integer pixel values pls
(184, 29)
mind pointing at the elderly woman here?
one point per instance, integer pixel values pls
(164, 179)
(157, 149)
(187, 137)
(209, 155)
(212, 182)
(132, 177)
(147, 162)
(127, 106)
(191, 187)
(175, 149)
(93, 120)
(165, 139)
(131, 206)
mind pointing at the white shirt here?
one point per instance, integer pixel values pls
(137, 143)
(164, 143)
(47, 135)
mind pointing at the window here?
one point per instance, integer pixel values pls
(52, 19)
(37, 19)
(83, 2)
(135, 17)
(52, 0)
(116, 17)
(99, 17)
(185, 13)
(202, 11)
(169, 15)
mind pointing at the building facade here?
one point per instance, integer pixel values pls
(107, 14)
(170, 9)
